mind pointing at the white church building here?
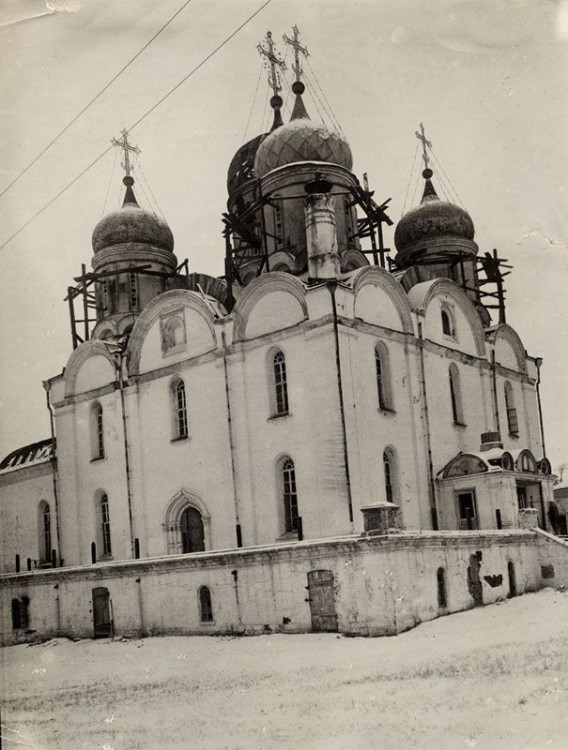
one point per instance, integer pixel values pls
(312, 441)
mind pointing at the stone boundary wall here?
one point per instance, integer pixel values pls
(382, 585)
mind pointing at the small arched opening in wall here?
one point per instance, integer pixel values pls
(390, 475)
(205, 604)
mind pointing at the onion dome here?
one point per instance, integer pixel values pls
(432, 219)
(301, 139)
(241, 168)
(132, 224)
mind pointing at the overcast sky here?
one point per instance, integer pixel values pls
(487, 77)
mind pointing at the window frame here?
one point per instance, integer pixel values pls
(45, 537)
(510, 410)
(456, 399)
(383, 377)
(97, 432)
(178, 404)
(280, 402)
(448, 322)
(288, 491)
(104, 525)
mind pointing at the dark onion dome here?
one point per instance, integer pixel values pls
(241, 168)
(432, 219)
(301, 139)
(36, 453)
(132, 224)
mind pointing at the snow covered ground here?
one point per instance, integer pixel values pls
(492, 679)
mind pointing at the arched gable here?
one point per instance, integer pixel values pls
(380, 299)
(430, 297)
(89, 367)
(270, 303)
(147, 349)
(509, 349)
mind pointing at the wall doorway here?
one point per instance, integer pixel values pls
(102, 620)
(321, 596)
(192, 533)
(467, 511)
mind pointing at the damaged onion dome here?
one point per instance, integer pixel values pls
(132, 224)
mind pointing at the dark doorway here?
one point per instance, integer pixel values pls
(322, 600)
(101, 613)
(512, 579)
(467, 511)
(192, 536)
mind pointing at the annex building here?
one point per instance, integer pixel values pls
(322, 438)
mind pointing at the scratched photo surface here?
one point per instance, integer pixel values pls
(96, 93)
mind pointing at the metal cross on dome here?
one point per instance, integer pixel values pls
(297, 47)
(123, 143)
(425, 143)
(272, 61)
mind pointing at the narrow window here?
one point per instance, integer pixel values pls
(133, 291)
(290, 495)
(206, 609)
(97, 431)
(512, 421)
(278, 224)
(447, 323)
(442, 593)
(179, 407)
(348, 220)
(45, 532)
(389, 476)
(280, 383)
(105, 526)
(455, 395)
(382, 372)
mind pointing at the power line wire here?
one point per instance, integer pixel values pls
(94, 99)
(138, 121)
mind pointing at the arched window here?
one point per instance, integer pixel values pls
(442, 592)
(280, 383)
(97, 432)
(455, 395)
(104, 522)
(382, 372)
(512, 421)
(44, 523)
(205, 606)
(389, 475)
(179, 409)
(192, 533)
(289, 494)
(447, 323)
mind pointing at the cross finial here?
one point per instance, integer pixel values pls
(297, 47)
(272, 61)
(123, 143)
(425, 143)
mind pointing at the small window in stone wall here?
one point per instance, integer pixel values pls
(172, 330)
(205, 606)
(442, 592)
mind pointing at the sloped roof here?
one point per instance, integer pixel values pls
(29, 455)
